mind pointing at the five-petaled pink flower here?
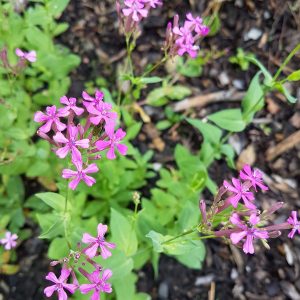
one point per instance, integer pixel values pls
(9, 241)
(197, 24)
(71, 143)
(51, 119)
(99, 96)
(136, 9)
(250, 233)
(70, 105)
(98, 284)
(102, 112)
(60, 285)
(30, 56)
(114, 142)
(240, 191)
(255, 177)
(97, 242)
(80, 174)
(292, 220)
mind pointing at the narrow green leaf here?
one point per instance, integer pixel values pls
(56, 201)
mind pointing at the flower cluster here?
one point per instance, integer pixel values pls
(97, 280)
(133, 11)
(9, 241)
(21, 64)
(181, 40)
(82, 143)
(245, 223)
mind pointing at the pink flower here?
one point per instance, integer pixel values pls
(292, 220)
(189, 48)
(71, 105)
(97, 242)
(255, 177)
(80, 174)
(60, 285)
(153, 3)
(197, 24)
(184, 33)
(30, 56)
(71, 143)
(114, 142)
(136, 9)
(92, 101)
(250, 233)
(51, 119)
(9, 241)
(98, 284)
(239, 191)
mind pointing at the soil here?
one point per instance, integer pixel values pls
(227, 273)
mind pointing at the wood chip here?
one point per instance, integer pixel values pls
(283, 146)
(203, 100)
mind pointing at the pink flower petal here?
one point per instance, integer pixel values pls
(64, 100)
(46, 127)
(31, 56)
(60, 138)
(111, 153)
(92, 168)
(248, 245)
(106, 274)
(89, 180)
(62, 295)
(101, 230)
(52, 277)
(87, 238)
(65, 273)
(235, 237)
(48, 291)
(67, 173)
(104, 252)
(40, 117)
(73, 184)
(63, 152)
(86, 288)
(19, 52)
(102, 145)
(92, 251)
(122, 149)
(85, 143)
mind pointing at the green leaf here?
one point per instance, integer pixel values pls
(125, 287)
(56, 201)
(164, 124)
(268, 76)
(157, 240)
(229, 119)
(123, 233)
(229, 153)
(147, 80)
(58, 249)
(254, 99)
(295, 76)
(194, 257)
(54, 230)
(211, 133)
(282, 89)
(120, 265)
(56, 7)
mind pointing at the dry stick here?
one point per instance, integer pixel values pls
(283, 146)
(203, 100)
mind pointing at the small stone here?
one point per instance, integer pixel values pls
(295, 120)
(238, 84)
(234, 274)
(224, 78)
(253, 34)
(204, 280)
(163, 291)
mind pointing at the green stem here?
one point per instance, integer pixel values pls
(180, 235)
(164, 59)
(287, 60)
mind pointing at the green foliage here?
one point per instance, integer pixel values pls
(242, 59)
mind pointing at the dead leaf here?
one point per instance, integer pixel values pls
(247, 156)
